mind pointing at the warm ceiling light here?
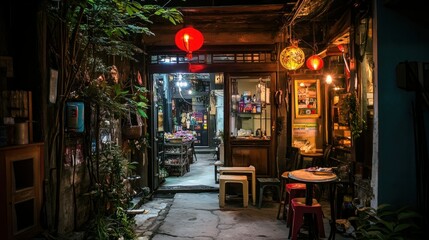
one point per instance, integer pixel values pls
(292, 58)
(328, 79)
(314, 63)
(189, 40)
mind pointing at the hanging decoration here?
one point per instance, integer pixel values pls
(292, 58)
(314, 62)
(189, 40)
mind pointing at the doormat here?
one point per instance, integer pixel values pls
(187, 189)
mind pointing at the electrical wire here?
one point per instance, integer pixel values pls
(180, 93)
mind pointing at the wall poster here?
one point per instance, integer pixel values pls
(307, 98)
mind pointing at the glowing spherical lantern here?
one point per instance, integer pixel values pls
(292, 58)
(189, 40)
(314, 63)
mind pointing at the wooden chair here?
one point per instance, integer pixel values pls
(323, 161)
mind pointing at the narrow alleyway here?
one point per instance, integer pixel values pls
(187, 212)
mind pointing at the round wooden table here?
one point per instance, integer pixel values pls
(311, 177)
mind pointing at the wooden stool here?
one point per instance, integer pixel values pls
(265, 182)
(299, 209)
(216, 165)
(224, 179)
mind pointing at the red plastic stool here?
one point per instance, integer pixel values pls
(287, 189)
(293, 190)
(299, 209)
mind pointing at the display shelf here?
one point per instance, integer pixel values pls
(176, 158)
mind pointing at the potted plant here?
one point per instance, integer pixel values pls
(387, 222)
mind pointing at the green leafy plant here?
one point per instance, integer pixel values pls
(83, 36)
(351, 112)
(111, 195)
(387, 223)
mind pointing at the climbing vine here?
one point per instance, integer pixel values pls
(352, 114)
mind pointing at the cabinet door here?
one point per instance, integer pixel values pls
(22, 170)
(244, 156)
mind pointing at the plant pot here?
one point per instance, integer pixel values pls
(132, 132)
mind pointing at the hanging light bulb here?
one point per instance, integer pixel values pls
(328, 79)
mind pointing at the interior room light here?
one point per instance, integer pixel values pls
(181, 84)
(190, 91)
(328, 79)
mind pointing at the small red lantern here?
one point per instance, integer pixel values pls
(314, 63)
(189, 39)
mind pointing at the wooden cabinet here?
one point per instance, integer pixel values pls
(21, 174)
(256, 153)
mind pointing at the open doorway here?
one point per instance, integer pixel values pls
(191, 106)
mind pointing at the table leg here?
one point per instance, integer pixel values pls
(332, 190)
(308, 218)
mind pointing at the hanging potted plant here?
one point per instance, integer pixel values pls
(137, 103)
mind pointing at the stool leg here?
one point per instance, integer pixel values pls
(222, 194)
(296, 224)
(215, 172)
(261, 193)
(245, 194)
(320, 226)
(289, 212)
(282, 199)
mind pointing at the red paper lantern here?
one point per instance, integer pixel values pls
(189, 40)
(314, 63)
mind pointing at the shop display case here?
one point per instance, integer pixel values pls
(250, 124)
(250, 109)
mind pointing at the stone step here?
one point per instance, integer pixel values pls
(204, 149)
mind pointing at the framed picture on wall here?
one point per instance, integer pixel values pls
(307, 98)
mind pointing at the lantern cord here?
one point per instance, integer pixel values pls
(314, 40)
(180, 93)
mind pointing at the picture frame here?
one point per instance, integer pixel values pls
(307, 98)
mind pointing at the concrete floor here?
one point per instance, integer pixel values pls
(187, 207)
(201, 172)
